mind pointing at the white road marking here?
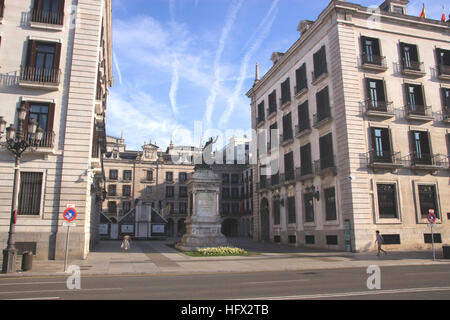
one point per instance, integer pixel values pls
(421, 273)
(29, 283)
(65, 290)
(350, 294)
(277, 281)
(44, 298)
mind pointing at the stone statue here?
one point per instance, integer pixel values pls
(207, 151)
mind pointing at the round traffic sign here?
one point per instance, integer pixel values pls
(431, 217)
(70, 214)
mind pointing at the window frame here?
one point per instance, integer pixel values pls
(41, 214)
(375, 203)
(419, 218)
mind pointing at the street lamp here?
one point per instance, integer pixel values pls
(17, 142)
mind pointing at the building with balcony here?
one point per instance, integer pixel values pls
(370, 111)
(56, 61)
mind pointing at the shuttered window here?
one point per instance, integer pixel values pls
(323, 104)
(326, 151)
(291, 210)
(285, 91)
(301, 78)
(2, 8)
(289, 166)
(320, 63)
(287, 127)
(303, 117)
(273, 102)
(276, 212)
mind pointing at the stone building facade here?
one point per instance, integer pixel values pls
(361, 104)
(56, 61)
(158, 178)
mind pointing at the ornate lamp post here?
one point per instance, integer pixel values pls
(17, 142)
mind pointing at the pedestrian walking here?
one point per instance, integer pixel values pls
(126, 243)
(380, 242)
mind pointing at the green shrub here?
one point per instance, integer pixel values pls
(221, 251)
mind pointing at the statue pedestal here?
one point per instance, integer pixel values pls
(203, 225)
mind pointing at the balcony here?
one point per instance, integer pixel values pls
(413, 68)
(444, 72)
(326, 166)
(446, 114)
(33, 78)
(275, 180)
(373, 63)
(47, 17)
(316, 79)
(288, 177)
(305, 172)
(286, 139)
(301, 131)
(300, 93)
(321, 120)
(385, 160)
(271, 112)
(285, 104)
(419, 112)
(260, 121)
(428, 162)
(380, 109)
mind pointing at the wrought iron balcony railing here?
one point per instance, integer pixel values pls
(384, 159)
(325, 164)
(444, 70)
(37, 75)
(320, 119)
(48, 17)
(376, 60)
(378, 106)
(418, 110)
(412, 66)
(48, 140)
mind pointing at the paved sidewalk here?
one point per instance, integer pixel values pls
(155, 257)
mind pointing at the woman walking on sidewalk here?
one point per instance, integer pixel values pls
(380, 242)
(126, 243)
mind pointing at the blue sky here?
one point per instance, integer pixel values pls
(181, 61)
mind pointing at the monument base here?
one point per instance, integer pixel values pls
(203, 232)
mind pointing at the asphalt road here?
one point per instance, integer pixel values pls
(405, 282)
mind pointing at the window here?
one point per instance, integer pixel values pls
(112, 207)
(291, 210)
(323, 105)
(292, 239)
(126, 190)
(148, 190)
(276, 212)
(443, 61)
(169, 176)
(332, 240)
(48, 11)
(446, 102)
(127, 175)
(437, 238)
(235, 193)
(261, 112)
(306, 160)
(308, 200)
(398, 10)
(330, 204)
(225, 193)
(182, 176)
(183, 192)
(170, 192)
(410, 56)
(43, 114)
(30, 193)
(287, 127)
(303, 117)
(226, 208)
(285, 92)
(234, 178)
(301, 78)
(274, 167)
(113, 174)
(381, 145)
(126, 206)
(421, 148)
(2, 8)
(326, 152)
(42, 64)
(289, 170)
(387, 201)
(376, 95)
(320, 63)
(182, 207)
(273, 102)
(371, 52)
(428, 200)
(225, 178)
(310, 240)
(415, 99)
(273, 135)
(149, 175)
(112, 190)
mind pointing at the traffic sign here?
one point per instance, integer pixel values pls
(431, 216)
(70, 214)
(69, 224)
